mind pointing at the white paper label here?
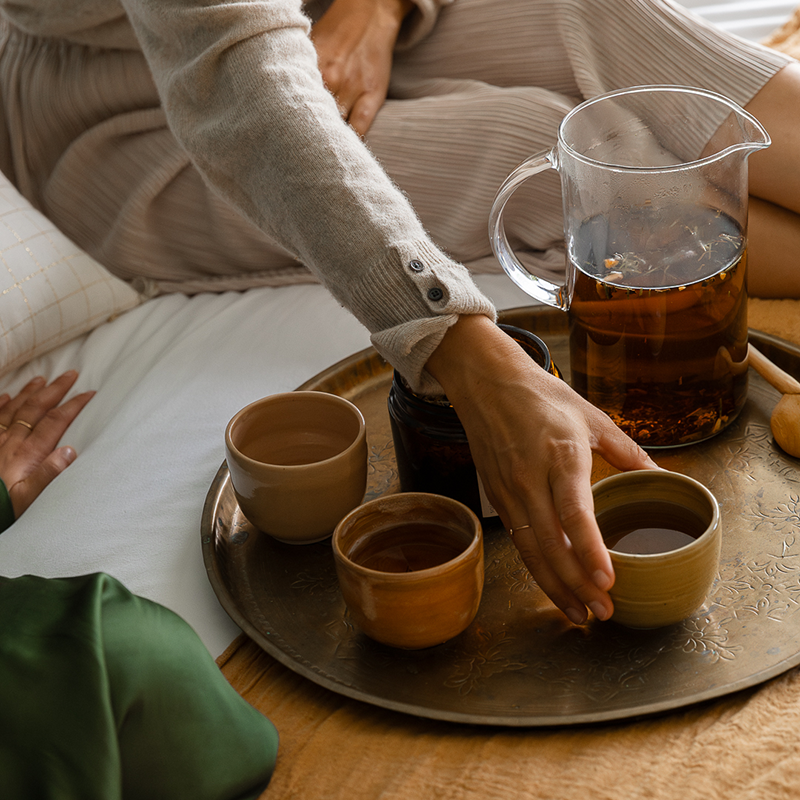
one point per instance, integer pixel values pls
(487, 509)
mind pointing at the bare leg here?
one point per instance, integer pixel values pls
(775, 172)
(773, 250)
(774, 222)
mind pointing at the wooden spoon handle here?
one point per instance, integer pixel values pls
(772, 373)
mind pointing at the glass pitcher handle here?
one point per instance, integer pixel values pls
(537, 287)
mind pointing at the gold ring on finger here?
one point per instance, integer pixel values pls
(22, 422)
(512, 531)
(3, 427)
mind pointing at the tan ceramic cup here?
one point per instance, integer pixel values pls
(298, 463)
(411, 609)
(660, 589)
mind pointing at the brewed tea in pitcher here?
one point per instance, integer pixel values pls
(655, 339)
(655, 195)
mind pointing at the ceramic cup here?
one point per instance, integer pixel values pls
(410, 567)
(298, 463)
(663, 533)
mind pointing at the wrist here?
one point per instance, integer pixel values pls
(396, 10)
(475, 353)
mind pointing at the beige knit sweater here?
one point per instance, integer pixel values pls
(243, 96)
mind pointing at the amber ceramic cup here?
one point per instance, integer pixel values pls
(663, 533)
(298, 463)
(410, 567)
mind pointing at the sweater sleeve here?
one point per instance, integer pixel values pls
(242, 93)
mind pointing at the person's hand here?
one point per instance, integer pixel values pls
(31, 425)
(532, 439)
(354, 41)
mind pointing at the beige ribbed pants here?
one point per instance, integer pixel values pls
(87, 142)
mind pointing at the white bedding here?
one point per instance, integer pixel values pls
(169, 376)
(753, 19)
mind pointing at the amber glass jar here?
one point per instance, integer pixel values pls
(429, 441)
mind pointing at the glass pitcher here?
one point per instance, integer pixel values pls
(654, 186)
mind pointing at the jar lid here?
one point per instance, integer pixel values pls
(529, 342)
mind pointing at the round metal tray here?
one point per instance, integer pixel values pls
(521, 663)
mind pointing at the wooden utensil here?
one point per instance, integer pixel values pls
(785, 419)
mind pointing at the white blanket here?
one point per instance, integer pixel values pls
(169, 375)
(752, 19)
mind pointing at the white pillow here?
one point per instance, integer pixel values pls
(50, 290)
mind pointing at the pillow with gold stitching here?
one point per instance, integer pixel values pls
(50, 290)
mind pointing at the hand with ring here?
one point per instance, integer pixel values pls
(532, 439)
(31, 425)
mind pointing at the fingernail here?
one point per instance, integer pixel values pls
(602, 580)
(70, 373)
(69, 454)
(574, 616)
(599, 610)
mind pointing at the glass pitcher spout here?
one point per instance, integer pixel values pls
(740, 134)
(754, 135)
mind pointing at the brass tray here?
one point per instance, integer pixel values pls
(521, 663)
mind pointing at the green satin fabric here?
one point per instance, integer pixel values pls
(106, 695)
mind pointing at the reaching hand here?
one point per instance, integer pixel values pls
(532, 438)
(354, 41)
(31, 425)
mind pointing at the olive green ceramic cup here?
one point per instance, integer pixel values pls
(298, 463)
(663, 532)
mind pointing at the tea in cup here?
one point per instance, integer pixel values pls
(663, 533)
(410, 567)
(298, 463)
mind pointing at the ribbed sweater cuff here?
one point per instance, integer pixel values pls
(409, 306)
